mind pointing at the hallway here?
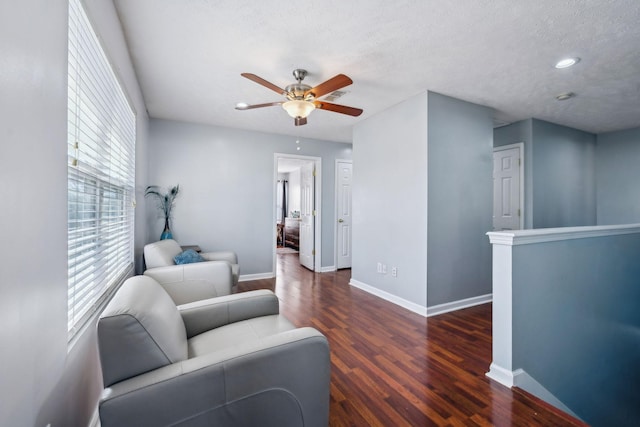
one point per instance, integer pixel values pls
(392, 367)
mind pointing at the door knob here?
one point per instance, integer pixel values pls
(341, 220)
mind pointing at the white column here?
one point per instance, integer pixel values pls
(501, 368)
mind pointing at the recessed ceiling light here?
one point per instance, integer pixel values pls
(565, 96)
(241, 106)
(568, 62)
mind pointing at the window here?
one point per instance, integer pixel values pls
(101, 174)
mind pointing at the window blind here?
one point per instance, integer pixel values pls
(101, 174)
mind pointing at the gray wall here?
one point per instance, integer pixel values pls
(576, 322)
(460, 199)
(390, 199)
(43, 380)
(560, 180)
(227, 188)
(521, 131)
(564, 184)
(618, 177)
(422, 199)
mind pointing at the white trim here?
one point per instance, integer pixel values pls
(416, 308)
(258, 276)
(504, 376)
(317, 262)
(542, 235)
(519, 145)
(328, 269)
(419, 309)
(458, 305)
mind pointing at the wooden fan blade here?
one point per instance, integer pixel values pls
(343, 109)
(299, 121)
(243, 107)
(329, 86)
(264, 83)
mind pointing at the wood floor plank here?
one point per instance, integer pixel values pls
(392, 367)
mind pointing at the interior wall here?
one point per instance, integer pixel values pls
(521, 131)
(564, 184)
(43, 380)
(617, 176)
(560, 165)
(226, 179)
(460, 199)
(390, 200)
(575, 323)
(33, 277)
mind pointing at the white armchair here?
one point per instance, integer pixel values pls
(217, 276)
(228, 361)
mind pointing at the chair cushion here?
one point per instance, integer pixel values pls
(237, 333)
(140, 330)
(188, 257)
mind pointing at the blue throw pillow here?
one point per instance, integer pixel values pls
(187, 257)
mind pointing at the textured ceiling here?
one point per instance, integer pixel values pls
(188, 56)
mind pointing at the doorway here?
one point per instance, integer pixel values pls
(297, 213)
(508, 187)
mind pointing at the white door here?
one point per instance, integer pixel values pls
(507, 166)
(307, 207)
(343, 209)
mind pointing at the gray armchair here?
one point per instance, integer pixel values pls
(216, 277)
(227, 361)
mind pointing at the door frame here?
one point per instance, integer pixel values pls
(317, 161)
(335, 213)
(520, 147)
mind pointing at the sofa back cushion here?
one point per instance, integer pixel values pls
(140, 330)
(161, 253)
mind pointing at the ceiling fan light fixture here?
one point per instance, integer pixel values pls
(298, 108)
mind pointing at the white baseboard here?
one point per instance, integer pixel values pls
(419, 309)
(504, 376)
(271, 275)
(416, 308)
(259, 276)
(458, 305)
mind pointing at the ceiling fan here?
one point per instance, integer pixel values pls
(302, 99)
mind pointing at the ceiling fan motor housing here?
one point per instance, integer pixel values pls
(296, 91)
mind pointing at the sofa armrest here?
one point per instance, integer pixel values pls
(279, 380)
(228, 256)
(193, 282)
(201, 316)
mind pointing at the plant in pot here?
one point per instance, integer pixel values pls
(165, 202)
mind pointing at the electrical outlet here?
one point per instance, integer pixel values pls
(384, 268)
(379, 270)
(394, 271)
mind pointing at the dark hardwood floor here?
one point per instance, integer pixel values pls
(392, 367)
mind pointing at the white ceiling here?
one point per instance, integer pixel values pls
(188, 56)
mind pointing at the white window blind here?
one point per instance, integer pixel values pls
(101, 174)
